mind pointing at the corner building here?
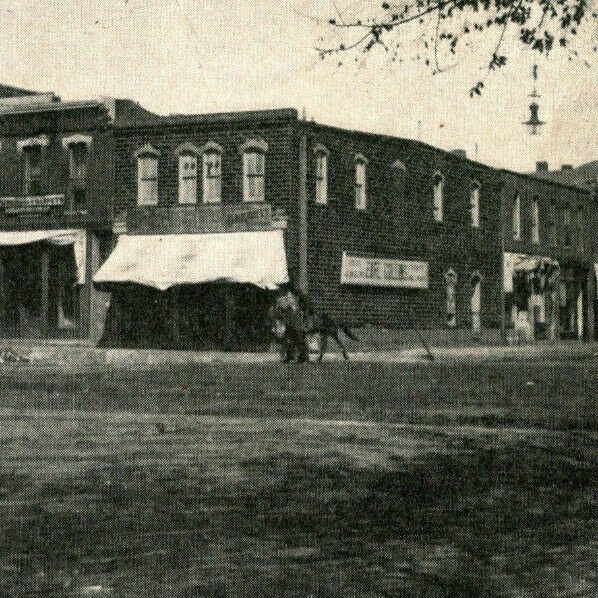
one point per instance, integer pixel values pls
(213, 212)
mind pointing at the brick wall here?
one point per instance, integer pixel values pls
(55, 163)
(276, 128)
(399, 223)
(549, 193)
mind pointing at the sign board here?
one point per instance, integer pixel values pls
(202, 218)
(31, 204)
(383, 272)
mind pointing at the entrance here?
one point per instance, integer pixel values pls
(39, 297)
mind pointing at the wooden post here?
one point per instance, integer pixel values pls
(45, 291)
(302, 274)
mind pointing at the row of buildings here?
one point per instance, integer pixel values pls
(132, 229)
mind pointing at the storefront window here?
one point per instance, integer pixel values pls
(476, 301)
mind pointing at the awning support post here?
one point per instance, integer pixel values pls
(45, 290)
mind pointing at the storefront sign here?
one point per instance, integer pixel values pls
(32, 204)
(383, 272)
(190, 219)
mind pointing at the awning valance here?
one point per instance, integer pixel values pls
(75, 237)
(164, 261)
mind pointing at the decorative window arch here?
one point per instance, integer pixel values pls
(322, 155)
(39, 141)
(451, 278)
(438, 195)
(187, 148)
(474, 203)
(254, 169)
(147, 175)
(361, 163)
(211, 160)
(76, 139)
(398, 165)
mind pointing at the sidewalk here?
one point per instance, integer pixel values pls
(78, 354)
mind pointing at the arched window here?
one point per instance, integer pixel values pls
(476, 188)
(451, 298)
(438, 183)
(476, 301)
(517, 217)
(32, 149)
(322, 155)
(360, 182)
(254, 169)
(147, 175)
(187, 154)
(212, 172)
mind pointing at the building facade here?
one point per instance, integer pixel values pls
(389, 235)
(56, 189)
(550, 251)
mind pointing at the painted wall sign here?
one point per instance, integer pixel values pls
(383, 272)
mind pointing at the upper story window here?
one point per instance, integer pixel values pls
(254, 169)
(187, 155)
(535, 220)
(580, 227)
(33, 170)
(552, 224)
(360, 182)
(517, 218)
(322, 155)
(474, 200)
(77, 147)
(212, 172)
(33, 155)
(567, 225)
(147, 175)
(438, 183)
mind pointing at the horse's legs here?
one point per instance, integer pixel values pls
(323, 346)
(336, 337)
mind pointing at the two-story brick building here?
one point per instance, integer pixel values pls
(388, 234)
(550, 251)
(56, 188)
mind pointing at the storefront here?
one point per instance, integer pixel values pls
(42, 273)
(545, 299)
(196, 291)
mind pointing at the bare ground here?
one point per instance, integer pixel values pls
(295, 482)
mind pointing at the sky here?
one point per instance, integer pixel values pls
(194, 56)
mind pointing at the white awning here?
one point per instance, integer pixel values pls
(164, 261)
(75, 237)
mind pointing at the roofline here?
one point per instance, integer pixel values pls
(540, 179)
(51, 107)
(383, 136)
(176, 120)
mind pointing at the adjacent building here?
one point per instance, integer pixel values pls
(550, 251)
(56, 189)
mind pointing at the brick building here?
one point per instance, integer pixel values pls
(550, 251)
(56, 188)
(386, 234)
